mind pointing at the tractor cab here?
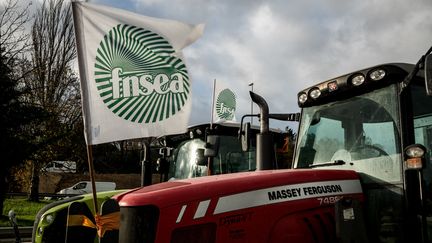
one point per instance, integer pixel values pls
(377, 123)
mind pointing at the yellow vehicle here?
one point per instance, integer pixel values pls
(50, 223)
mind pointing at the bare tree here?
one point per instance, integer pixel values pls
(14, 39)
(15, 114)
(53, 81)
(53, 53)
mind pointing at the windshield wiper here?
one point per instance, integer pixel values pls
(336, 162)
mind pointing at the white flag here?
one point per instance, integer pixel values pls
(134, 82)
(224, 103)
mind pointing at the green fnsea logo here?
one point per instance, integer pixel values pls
(226, 104)
(138, 75)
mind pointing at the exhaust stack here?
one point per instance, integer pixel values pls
(264, 146)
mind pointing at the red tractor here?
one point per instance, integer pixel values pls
(361, 172)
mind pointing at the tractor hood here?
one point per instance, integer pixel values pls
(261, 187)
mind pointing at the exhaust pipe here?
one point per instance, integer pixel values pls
(264, 111)
(264, 140)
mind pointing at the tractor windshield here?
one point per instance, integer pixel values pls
(229, 159)
(360, 133)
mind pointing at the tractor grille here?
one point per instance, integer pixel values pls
(321, 227)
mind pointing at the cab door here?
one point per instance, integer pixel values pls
(422, 126)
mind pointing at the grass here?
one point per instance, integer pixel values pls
(25, 211)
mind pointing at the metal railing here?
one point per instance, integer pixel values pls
(41, 195)
(7, 234)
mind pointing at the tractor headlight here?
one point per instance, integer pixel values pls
(45, 221)
(315, 93)
(302, 98)
(48, 219)
(377, 74)
(414, 156)
(358, 79)
(415, 151)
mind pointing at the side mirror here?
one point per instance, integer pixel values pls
(211, 146)
(245, 136)
(428, 74)
(200, 158)
(165, 152)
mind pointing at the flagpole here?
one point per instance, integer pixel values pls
(251, 85)
(76, 14)
(210, 159)
(92, 176)
(213, 104)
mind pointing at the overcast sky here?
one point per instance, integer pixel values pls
(287, 45)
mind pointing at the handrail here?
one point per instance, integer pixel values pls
(41, 195)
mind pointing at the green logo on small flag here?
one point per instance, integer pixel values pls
(138, 76)
(226, 105)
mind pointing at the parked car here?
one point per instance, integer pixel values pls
(84, 187)
(60, 167)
